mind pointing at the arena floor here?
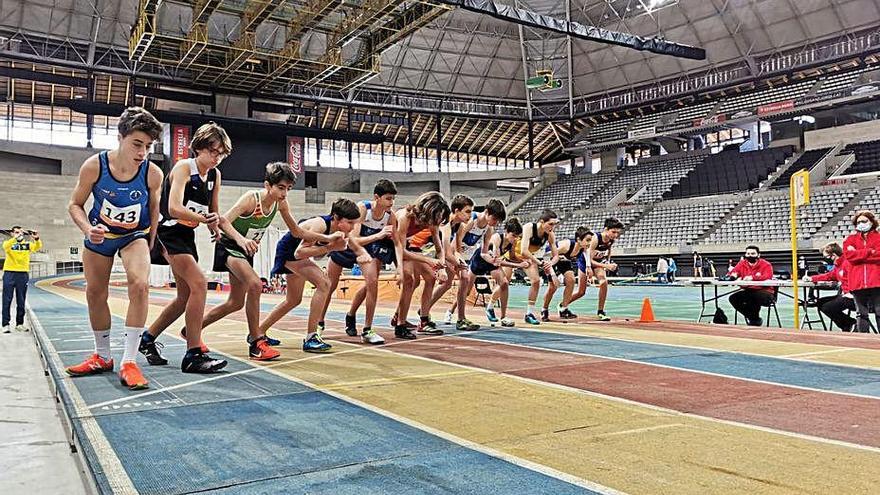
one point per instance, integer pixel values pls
(586, 407)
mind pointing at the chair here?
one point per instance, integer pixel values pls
(772, 306)
(483, 289)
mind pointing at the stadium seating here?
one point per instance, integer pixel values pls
(843, 227)
(867, 157)
(729, 171)
(595, 219)
(766, 217)
(659, 175)
(805, 162)
(672, 223)
(569, 192)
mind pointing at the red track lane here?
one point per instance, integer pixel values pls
(838, 417)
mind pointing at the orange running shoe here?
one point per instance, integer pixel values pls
(202, 345)
(262, 351)
(93, 365)
(130, 376)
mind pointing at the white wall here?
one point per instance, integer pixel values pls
(846, 134)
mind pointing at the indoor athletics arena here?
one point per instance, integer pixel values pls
(440, 246)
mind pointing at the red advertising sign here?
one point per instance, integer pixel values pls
(295, 153)
(775, 107)
(180, 135)
(715, 119)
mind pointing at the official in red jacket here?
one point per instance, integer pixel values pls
(836, 306)
(862, 251)
(749, 300)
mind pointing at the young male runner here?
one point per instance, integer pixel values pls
(599, 257)
(535, 236)
(243, 228)
(190, 196)
(462, 212)
(377, 236)
(125, 188)
(469, 238)
(569, 250)
(293, 258)
(490, 260)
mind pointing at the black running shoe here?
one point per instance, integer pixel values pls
(545, 315)
(201, 363)
(351, 326)
(150, 350)
(401, 332)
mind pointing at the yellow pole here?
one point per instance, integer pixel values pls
(794, 267)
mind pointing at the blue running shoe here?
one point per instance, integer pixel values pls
(490, 314)
(315, 344)
(269, 340)
(532, 320)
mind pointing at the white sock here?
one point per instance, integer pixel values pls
(490, 305)
(530, 309)
(132, 340)
(102, 343)
(310, 335)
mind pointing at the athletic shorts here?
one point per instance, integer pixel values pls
(226, 248)
(381, 250)
(112, 245)
(563, 266)
(285, 251)
(479, 266)
(581, 261)
(175, 240)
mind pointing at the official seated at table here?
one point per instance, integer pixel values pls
(749, 301)
(862, 251)
(836, 307)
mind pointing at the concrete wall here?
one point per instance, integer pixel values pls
(15, 162)
(852, 133)
(71, 158)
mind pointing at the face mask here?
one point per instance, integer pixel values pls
(752, 259)
(20, 237)
(863, 226)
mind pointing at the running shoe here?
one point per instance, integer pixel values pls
(566, 314)
(602, 316)
(201, 363)
(447, 318)
(6, 329)
(261, 350)
(531, 319)
(315, 344)
(402, 332)
(371, 337)
(351, 325)
(466, 325)
(21, 328)
(545, 315)
(506, 322)
(202, 345)
(150, 350)
(130, 376)
(408, 325)
(94, 364)
(429, 327)
(490, 314)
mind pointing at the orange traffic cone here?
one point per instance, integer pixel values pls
(647, 312)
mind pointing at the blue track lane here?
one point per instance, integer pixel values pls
(261, 433)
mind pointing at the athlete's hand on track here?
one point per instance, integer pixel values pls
(96, 234)
(250, 246)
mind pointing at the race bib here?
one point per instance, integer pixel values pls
(195, 208)
(255, 234)
(126, 217)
